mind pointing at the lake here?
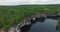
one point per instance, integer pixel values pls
(44, 25)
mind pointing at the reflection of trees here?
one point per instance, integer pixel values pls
(58, 28)
(53, 16)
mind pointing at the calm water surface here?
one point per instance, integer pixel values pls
(48, 25)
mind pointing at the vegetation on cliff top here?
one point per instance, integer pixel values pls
(11, 15)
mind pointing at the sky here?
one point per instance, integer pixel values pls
(21, 2)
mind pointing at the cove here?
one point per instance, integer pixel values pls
(44, 25)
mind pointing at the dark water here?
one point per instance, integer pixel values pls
(46, 25)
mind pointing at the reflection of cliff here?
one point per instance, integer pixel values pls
(42, 19)
(25, 28)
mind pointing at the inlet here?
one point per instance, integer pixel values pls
(41, 25)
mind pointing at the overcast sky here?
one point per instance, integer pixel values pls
(16, 2)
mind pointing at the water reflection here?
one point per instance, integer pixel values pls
(53, 17)
(25, 28)
(56, 27)
(41, 25)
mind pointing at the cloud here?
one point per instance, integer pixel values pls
(17, 2)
